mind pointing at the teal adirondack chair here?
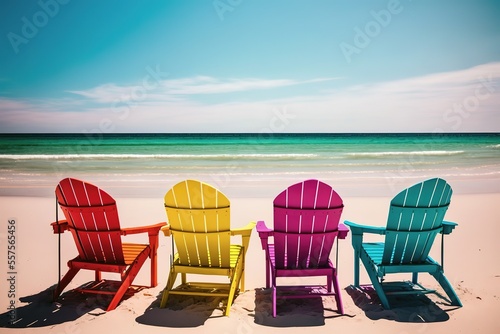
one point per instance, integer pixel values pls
(415, 219)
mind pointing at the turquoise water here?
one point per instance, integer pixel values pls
(144, 164)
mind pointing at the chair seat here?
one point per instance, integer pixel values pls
(234, 254)
(272, 258)
(131, 251)
(374, 251)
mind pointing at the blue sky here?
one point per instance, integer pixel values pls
(249, 66)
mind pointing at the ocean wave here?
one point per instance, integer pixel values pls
(156, 156)
(493, 146)
(404, 153)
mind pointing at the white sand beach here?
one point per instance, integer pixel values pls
(251, 97)
(471, 265)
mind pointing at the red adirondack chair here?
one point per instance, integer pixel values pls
(92, 217)
(306, 224)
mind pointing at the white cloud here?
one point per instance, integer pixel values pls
(107, 93)
(445, 83)
(172, 90)
(465, 100)
(208, 85)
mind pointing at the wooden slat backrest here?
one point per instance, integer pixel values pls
(306, 218)
(93, 219)
(199, 218)
(415, 218)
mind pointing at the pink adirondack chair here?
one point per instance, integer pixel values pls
(306, 224)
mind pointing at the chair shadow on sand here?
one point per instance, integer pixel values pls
(182, 311)
(303, 312)
(41, 311)
(413, 308)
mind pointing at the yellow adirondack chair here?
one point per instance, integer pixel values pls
(199, 222)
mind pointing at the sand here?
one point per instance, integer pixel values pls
(471, 265)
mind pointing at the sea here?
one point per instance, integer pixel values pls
(250, 164)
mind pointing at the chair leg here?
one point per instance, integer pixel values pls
(414, 278)
(338, 297)
(445, 284)
(274, 299)
(375, 282)
(330, 281)
(380, 292)
(268, 274)
(127, 280)
(170, 283)
(241, 279)
(64, 282)
(356, 268)
(154, 267)
(235, 282)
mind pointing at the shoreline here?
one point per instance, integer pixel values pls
(264, 186)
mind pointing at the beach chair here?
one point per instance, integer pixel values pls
(199, 223)
(415, 219)
(92, 218)
(306, 224)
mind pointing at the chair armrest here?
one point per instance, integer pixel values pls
(262, 228)
(245, 231)
(357, 229)
(448, 227)
(264, 233)
(60, 226)
(343, 231)
(150, 229)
